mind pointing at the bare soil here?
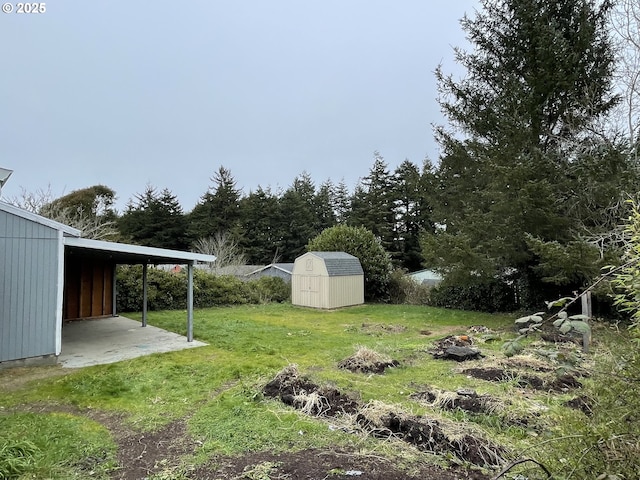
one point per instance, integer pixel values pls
(563, 383)
(427, 435)
(325, 465)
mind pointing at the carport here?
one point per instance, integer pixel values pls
(90, 288)
(49, 274)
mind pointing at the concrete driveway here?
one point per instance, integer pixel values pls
(109, 340)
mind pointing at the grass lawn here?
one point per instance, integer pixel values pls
(73, 424)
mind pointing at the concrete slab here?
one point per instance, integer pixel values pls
(109, 340)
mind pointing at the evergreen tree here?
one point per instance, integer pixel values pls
(537, 81)
(298, 220)
(325, 206)
(412, 214)
(155, 220)
(372, 203)
(218, 210)
(259, 220)
(342, 202)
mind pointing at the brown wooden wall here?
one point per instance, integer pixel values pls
(88, 287)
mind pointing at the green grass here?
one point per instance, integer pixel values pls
(58, 445)
(217, 388)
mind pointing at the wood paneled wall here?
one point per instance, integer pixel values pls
(89, 287)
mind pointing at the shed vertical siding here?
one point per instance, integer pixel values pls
(29, 256)
(346, 291)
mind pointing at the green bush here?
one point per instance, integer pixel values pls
(211, 290)
(404, 290)
(270, 289)
(493, 296)
(168, 290)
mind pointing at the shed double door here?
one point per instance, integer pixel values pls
(310, 290)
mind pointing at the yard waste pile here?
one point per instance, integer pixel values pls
(384, 421)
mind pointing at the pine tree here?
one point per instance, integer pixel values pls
(412, 213)
(372, 203)
(259, 218)
(218, 210)
(537, 81)
(155, 220)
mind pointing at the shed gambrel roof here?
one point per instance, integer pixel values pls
(340, 263)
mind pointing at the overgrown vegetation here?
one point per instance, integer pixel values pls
(168, 290)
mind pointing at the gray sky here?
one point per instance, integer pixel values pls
(130, 93)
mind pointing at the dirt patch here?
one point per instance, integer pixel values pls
(582, 403)
(378, 328)
(316, 464)
(555, 384)
(15, 378)
(143, 454)
(366, 360)
(430, 435)
(297, 391)
(384, 421)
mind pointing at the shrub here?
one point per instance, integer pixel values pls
(270, 289)
(404, 290)
(492, 296)
(168, 290)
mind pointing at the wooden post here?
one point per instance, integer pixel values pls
(587, 311)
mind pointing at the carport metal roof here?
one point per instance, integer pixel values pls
(132, 254)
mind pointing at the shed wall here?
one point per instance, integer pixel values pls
(29, 267)
(345, 291)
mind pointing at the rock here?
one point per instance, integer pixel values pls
(460, 354)
(466, 392)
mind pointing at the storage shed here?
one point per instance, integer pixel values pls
(48, 274)
(327, 280)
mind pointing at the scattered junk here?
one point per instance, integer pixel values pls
(455, 347)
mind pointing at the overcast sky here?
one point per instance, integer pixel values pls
(130, 93)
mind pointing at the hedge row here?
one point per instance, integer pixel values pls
(168, 290)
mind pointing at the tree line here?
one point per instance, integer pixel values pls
(538, 157)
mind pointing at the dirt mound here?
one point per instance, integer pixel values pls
(463, 399)
(430, 435)
(383, 420)
(366, 360)
(555, 384)
(297, 391)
